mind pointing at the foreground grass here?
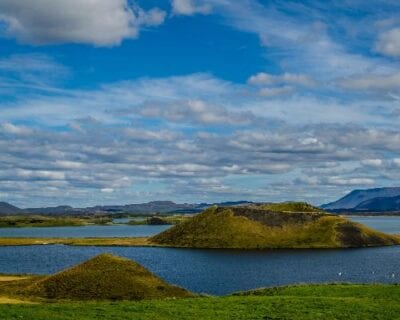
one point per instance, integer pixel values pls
(297, 303)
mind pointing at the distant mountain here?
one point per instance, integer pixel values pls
(356, 197)
(149, 207)
(6, 208)
(380, 204)
(53, 210)
(139, 208)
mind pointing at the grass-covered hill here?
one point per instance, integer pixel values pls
(271, 226)
(104, 277)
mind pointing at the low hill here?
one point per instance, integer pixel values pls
(105, 277)
(6, 209)
(254, 227)
(356, 197)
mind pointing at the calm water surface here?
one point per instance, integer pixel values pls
(222, 271)
(212, 271)
(385, 224)
(84, 231)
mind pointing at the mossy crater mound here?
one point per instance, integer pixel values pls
(259, 227)
(105, 277)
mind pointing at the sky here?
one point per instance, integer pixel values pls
(120, 101)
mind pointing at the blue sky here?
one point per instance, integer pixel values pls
(122, 101)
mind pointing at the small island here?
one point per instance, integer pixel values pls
(291, 225)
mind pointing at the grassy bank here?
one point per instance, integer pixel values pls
(26, 221)
(295, 303)
(132, 242)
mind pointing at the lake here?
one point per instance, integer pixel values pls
(222, 271)
(385, 224)
(84, 231)
(212, 271)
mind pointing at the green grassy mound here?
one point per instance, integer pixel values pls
(257, 228)
(104, 277)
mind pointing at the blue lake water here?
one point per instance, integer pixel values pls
(222, 271)
(84, 231)
(385, 224)
(212, 271)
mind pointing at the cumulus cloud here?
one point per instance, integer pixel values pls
(196, 135)
(279, 85)
(97, 22)
(389, 43)
(190, 7)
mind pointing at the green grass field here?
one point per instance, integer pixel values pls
(300, 302)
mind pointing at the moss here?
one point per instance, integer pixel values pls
(104, 277)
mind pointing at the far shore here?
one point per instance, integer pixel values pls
(131, 242)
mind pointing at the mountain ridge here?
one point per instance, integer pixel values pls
(354, 198)
(161, 206)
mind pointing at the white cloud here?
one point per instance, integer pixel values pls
(16, 130)
(389, 43)
(97, 22)
(373, 162)
(340, 181)
(275, 91)
(372, 82)
(40, 174)
(263, 78)
(196, 111)
(190, 7)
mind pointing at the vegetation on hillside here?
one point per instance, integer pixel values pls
(160, 220)
(104, 277)
(256, 228)
(308, 302)
(290, 207)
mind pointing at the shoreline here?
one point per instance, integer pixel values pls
(145, 242)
